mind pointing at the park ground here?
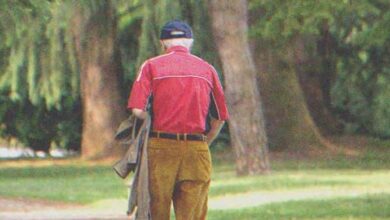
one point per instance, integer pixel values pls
(350, 184)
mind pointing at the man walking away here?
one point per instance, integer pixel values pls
(183, 90)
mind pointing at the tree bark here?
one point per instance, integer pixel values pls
(246, 124)
(290, 125)
(100, 72)
(315, 74)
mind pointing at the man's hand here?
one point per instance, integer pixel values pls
(216, 126)
(139, 113)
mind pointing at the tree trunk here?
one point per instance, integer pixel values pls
(315, 74)
(100, 72)
(290, 125)
(246, 124)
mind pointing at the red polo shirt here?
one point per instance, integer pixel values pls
(184, 89)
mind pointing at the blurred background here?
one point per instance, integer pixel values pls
(313, 79)
(320, 61)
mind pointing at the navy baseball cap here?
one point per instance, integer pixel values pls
(175, 29)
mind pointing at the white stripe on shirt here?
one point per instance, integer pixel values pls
(183, 76)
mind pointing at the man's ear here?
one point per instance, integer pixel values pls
(162, 45)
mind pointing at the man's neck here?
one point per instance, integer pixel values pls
(177, 49)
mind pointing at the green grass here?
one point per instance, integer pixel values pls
(289, 180)
(364, 207)
(370, 170)
(367, 173)
(83, 184)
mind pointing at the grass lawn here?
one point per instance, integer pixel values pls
(86, 184)
(363, 182)
(68, 183)
(374, 206)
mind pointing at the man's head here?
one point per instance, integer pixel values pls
(176, 33)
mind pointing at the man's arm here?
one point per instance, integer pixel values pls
(141, 90)
(216, 126)
(139, 113)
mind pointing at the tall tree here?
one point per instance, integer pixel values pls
(74, 51)
(280, 29)
(38, 76)
(285, 33)
(94, 32)
(290, 126)
(248, 137)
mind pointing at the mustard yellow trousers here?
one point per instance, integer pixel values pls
(179, 172)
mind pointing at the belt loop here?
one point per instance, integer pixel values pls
(185, 136)
(178, 137)
(158, 134)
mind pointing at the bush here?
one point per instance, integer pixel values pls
(38, 127)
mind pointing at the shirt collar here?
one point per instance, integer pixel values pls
(178, 49)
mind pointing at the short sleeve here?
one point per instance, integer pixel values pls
(218, 102)
(141, 88)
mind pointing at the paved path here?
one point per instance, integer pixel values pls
(114, 209)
